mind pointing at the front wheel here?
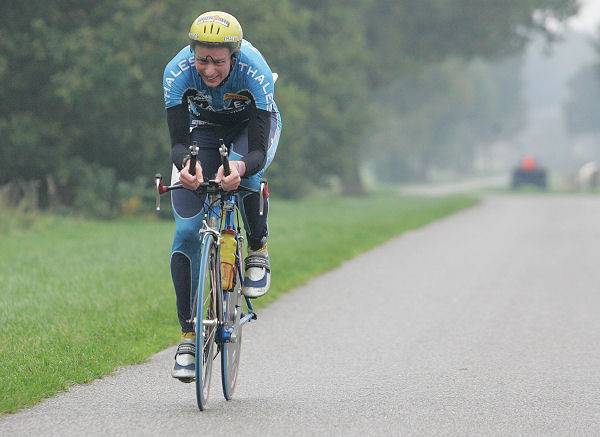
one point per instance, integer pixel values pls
(231, 349)
(206, 320)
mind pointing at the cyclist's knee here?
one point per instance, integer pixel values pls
(186, 230)
(186, 234)
(185, 204)
(253, 181)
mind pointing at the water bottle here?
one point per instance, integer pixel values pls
(228, 249)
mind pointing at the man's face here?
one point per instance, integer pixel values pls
(213, 64)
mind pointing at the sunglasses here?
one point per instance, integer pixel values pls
(207, 59)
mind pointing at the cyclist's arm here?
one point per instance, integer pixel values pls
(177, 79)
(178, 120)
(262, 91)
(259, 127)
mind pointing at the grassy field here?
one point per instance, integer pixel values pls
(79, 298)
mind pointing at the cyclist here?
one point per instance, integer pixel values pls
(218, 87)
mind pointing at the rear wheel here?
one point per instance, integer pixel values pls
(206, 320)
(230, 352)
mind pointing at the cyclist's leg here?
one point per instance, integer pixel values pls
(257, 279)
(185, 251)
(185, 259)
(188, 211)
(256, 225)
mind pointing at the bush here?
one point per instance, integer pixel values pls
(95, 191)
(138, 197)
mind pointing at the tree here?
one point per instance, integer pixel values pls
(85, 77)
(442, 116)
(582, 108)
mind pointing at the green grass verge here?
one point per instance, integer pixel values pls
(80, 298)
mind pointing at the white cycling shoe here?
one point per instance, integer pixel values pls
(185, 359)
(257, 277)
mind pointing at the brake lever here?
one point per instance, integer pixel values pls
(159, 184)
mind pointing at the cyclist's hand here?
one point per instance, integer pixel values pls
(232, 181)
(189, 181)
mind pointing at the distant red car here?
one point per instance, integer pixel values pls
(529, 172)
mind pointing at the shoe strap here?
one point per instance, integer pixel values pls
(258, 260)
(186, 349)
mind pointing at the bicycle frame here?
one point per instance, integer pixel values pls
(221, 222)
(215, 221)
(229, 223)
(230, 316)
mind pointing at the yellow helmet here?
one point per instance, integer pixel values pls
(217, 28)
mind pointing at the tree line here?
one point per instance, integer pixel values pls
(395, 84)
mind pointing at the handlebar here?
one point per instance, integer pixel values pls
(222, 151)
(207, 187)
(210, 186)
(193, 158)
(224, 159)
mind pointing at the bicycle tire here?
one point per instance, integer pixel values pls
(231, 351)
(209, 287)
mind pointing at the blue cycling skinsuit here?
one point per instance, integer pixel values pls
(242, 112)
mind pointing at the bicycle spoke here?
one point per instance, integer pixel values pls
(230, 355)
(207, 319)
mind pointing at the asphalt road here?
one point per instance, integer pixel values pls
(485, 323)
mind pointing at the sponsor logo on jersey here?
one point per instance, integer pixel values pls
(197, 98)
(184, 65)
(261, 79)
(238, 100)
(234, 96)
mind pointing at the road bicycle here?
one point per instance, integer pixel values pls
(218, 313)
